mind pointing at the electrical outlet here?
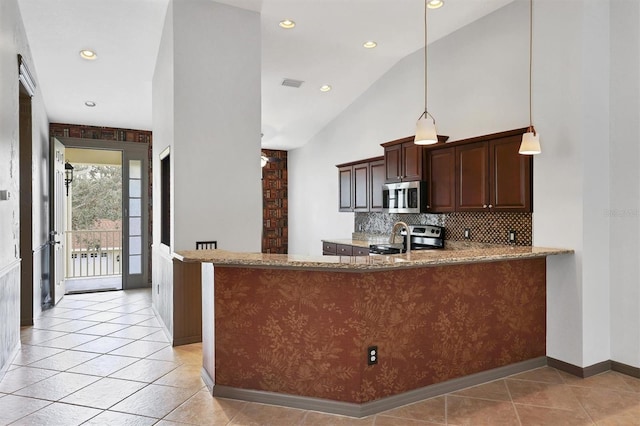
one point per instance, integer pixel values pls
(372, 355)
(467, 233)
(512, 236)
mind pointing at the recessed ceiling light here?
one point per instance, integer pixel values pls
(435, 4)
(325, 88)
(90, 104)
(287, 24)
(370, 44)
(88, 54)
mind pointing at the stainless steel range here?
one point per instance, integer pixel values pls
(422, 237)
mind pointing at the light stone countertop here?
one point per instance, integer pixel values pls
(415, 259)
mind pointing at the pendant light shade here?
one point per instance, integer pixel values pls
(426, 133)
(530, 144)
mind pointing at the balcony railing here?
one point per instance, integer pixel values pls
(93, 253)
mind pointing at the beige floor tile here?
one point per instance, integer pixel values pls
(186, 354)
(202, 408)
(29, 354)
(133, 332)
(57, 387)
(139, 349)
(152, 322)
(72, 326)
(33, 336)
(145, 370)
(185, 376)
(542, 394)
(51, 313)
(130, 319)
(543, 374)
(47, 322)
(146, 311)
(168, 423)
(480, 412)
(313, 418)
(609, 380)
(70, 313)
(531, 415)
(104, 393)
(158, 336)
(110, 418)
(64, 360)
(131, 308)
(14, 407)
(496, 391)
(381, 420)
(103, 344)
(103, 329)
(632, 382)
(74, 304)
(58, 414)
(102, 316)
(103, 365)
(22, 377)
(154, 401)
(432, 410)
(68, 341)
(267, 415)
(605, 405)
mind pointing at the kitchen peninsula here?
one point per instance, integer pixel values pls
(298, 330)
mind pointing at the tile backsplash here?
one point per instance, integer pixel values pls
(484, 227)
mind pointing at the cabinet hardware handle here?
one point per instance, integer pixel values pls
(484, 206)
(490, 206)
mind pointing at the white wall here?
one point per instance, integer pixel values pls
(625, 181)
(478, 85)
(216, 156)
(13, 42)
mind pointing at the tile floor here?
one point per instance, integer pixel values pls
(101, 359)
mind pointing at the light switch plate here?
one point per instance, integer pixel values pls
(4, 195)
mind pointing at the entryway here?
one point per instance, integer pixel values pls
(99, 215)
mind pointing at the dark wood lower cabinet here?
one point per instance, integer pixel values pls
(333, 249)
(187, 302)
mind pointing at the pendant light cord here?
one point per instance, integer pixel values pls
(425, 58)
(530, 62)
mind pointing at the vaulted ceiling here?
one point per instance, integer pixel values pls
(325, 48)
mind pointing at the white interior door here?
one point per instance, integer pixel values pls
(58, 222)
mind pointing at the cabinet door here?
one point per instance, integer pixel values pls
(472, 184)
(393, 158)
(510, 178)
(411, 166)
(441, 169)
(344, 187)
(329, 249)
(361, 187)
(377, 178)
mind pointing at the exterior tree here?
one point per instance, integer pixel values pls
(96, 197)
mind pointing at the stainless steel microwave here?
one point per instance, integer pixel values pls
(404, 197)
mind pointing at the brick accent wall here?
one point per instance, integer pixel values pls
(275, 233)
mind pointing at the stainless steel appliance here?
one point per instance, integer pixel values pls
(404, 197)
(421, 237)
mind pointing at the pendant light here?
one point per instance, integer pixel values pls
(530, 144)
(426, 133)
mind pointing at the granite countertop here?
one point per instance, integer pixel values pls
(453, 255)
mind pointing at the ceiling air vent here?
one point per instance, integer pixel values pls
(289, 82)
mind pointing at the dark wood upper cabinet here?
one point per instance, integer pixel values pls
(360, 185)
(441, 178)
(510, 181)
(472, 180)
(345, 189)
(492, 176)
(377, 178)
(393, 163)
(404, 160)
